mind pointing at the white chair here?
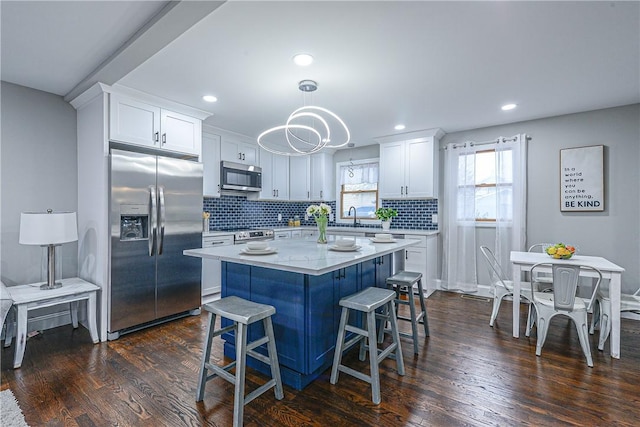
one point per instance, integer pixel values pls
(602, 312)
(544, 281)
(564, 301)
(502, 286)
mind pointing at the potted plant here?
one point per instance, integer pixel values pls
(385, 215)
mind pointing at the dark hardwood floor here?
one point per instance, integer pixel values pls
(467, 373)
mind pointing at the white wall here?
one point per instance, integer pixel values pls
(38, 171)
(614, 233)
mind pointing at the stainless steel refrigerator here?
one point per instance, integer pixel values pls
(155, 213)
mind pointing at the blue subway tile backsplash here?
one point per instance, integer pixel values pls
(230, 211)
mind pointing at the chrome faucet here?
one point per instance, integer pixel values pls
(355, 224)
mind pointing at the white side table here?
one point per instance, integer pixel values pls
(31, 297)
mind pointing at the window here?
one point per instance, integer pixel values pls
(358, 188)
(484, 178)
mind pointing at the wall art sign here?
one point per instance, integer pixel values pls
(582, 179)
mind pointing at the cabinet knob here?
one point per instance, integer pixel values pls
(164, 138)
(157, 137)
(401, 190)
(321, 194)
(406, 190)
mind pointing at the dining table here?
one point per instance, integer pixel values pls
(523, 261)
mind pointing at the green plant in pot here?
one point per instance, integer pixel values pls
(385, 215)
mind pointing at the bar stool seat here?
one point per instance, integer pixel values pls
(242, 313)
(367, 301)
(402, 283)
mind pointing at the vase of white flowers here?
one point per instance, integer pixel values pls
(321, 214)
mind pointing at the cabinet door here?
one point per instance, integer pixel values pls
(211, 164)
(229, 151)
(134, 122)
(280, 176)
(392, 167)
(321, 184)
(266, 163)
(249, 153)
(416, 260)
(299, 168)
(419, 169)
(180, 133)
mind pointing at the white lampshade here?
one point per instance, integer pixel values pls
(48, 228)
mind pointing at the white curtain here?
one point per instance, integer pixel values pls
(460, 248)
(363, 173)
(459, 228)
(511, 226)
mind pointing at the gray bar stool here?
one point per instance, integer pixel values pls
(402, 283)
(367, 301)
(243, 313)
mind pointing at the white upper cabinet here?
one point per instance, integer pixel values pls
(211, 164)
(299, 178)
(275, 176)
(238, 151)
(140, 123)
(322, 177)
(409, 167)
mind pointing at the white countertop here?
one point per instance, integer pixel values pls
(304, 255)
(337, 230)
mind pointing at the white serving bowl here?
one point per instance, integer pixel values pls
(257, 246)
(383, 236)
(345, 243)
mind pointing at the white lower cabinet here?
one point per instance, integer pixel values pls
(278, 235)
(211, 268)
(421, 258)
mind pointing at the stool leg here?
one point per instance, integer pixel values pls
(73, 308)
(425, 320)
(241, 360)
(273, 357)
(337, 355)
(373, 357)
(412, 311)
(396, 340)
(206, 355)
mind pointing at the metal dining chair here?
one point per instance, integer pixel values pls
(502, 286)
(544, 281)
(564, 301)
(602, 312)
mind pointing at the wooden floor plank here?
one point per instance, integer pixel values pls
(467, 373)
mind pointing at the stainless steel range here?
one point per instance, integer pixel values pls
(244, 235)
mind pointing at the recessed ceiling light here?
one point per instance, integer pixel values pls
(303, 59)
(210, 98)
(399, 127)
(508, 107)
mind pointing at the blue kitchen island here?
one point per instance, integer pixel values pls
(304, 281)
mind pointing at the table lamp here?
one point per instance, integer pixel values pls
(48, 229)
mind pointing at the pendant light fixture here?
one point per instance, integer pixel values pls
(308, 129)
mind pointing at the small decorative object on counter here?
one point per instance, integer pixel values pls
(205, 221)
(560, 251)
(321, 214)
(385, 215)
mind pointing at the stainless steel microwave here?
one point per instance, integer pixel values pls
(240, 177)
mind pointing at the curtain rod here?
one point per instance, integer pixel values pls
(493, 141)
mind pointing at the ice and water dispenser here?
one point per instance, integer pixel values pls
(134, 222)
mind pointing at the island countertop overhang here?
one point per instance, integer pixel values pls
(303, 256)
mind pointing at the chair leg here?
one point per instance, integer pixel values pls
(337, 356)
(206, 355)
(583, 335)
(241, 360)
(373, 357)
(595, 317)
(273, 358)
(423, 306)
(543, 327)
(605, 329)
(396, 340)
(496, 306)
(414, 323)
(531, 319)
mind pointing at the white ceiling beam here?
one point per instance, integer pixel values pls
(171, 22)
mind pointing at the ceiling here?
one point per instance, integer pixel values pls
(448, 65)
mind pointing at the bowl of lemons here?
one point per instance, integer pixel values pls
(560, 251)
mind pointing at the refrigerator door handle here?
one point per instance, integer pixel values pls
(153, 223)
(161, 212)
